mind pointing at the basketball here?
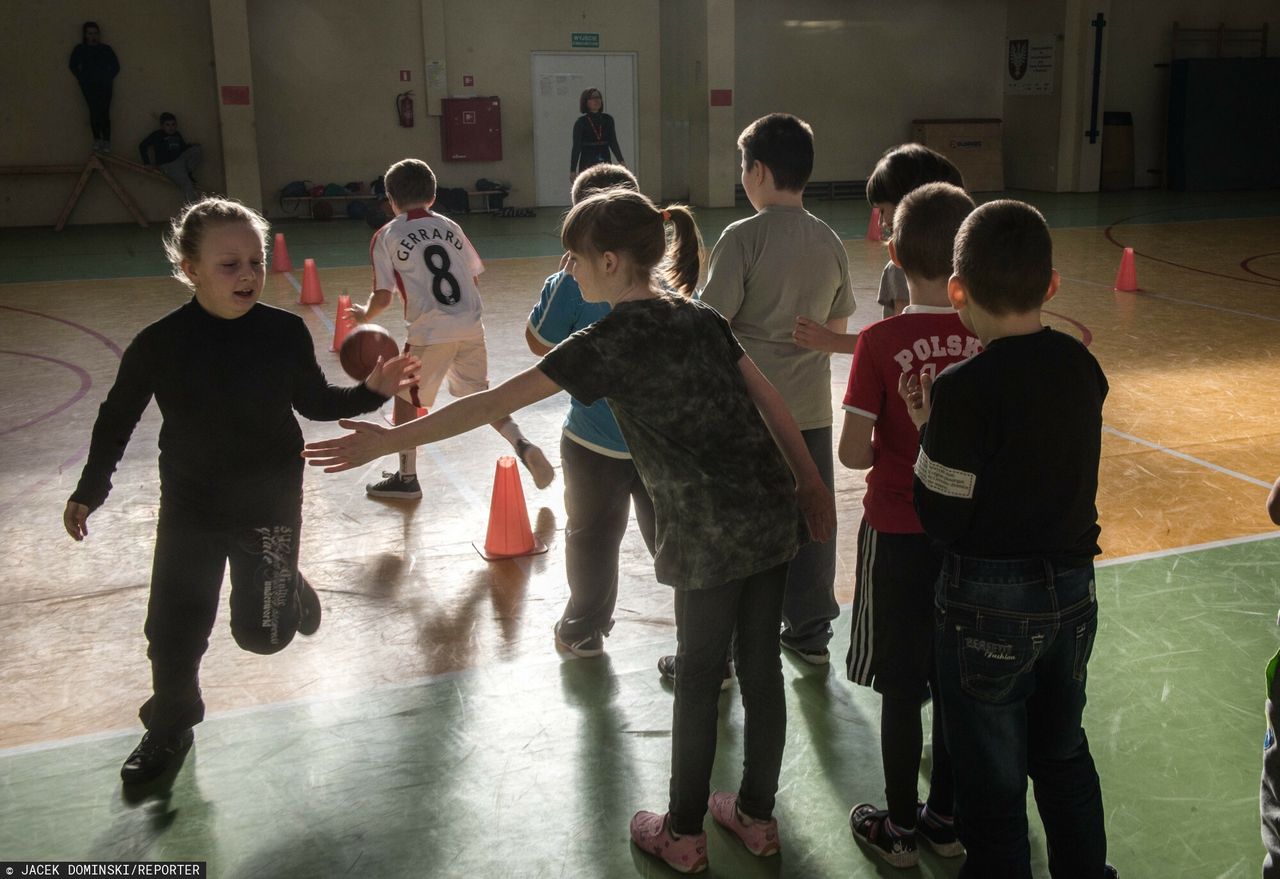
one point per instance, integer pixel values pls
(362, 347)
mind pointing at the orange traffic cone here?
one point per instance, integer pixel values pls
(873, 226)
(280, 255)
(311, 293)
(1127, 277)
(343, 323)
(509, 533)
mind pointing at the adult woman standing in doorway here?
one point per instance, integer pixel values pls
(95, 66)
(593, 135)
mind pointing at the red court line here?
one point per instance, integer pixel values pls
(112, 346)
(85, 384)
(1086, 335)
(1107, 233)
(1244, 264)
(84, 448)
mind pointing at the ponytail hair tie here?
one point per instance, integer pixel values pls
(666, 216)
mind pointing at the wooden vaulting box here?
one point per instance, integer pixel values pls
(974, 145)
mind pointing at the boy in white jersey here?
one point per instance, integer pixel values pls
(426, 259)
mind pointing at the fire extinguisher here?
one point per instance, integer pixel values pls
(404, 109)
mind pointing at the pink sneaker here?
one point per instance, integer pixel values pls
(652, 834)
(760, 837)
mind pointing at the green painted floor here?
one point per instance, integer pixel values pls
(120, 251)
(534, 769)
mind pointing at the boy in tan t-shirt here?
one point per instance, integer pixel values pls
(766, 270)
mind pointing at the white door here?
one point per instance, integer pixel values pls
(558, 80)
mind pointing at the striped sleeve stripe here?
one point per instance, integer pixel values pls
(863, 412)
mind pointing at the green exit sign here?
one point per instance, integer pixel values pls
(585, 41)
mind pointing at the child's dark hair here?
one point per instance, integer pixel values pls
(601, 177)
(186, 232)
(588, 94)
(903, 168)
(167, 117)
(410, 182)
(1004, 257)
(627, 222)
(84, 29)
(925, 226)
(784, 144)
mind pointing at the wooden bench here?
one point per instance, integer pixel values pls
(100, 162)
(485, 197)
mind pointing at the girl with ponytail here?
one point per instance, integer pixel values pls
(734, 490)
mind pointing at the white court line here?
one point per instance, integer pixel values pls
(442, 463)
(1185, 457)
(1164, 298)
(656, 644)
(1184, 550)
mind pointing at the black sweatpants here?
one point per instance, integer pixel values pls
(186, 577)
(99, 101)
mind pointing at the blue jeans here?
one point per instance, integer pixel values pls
(1013, 646)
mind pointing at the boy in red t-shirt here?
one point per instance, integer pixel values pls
(892, 643)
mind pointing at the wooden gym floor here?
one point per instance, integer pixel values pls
(430, 728)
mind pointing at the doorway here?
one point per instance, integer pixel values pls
(558, 81)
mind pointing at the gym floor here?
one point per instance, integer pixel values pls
(431, 728)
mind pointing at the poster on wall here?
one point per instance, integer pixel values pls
(1029, 64)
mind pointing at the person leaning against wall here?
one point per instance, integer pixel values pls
(95, 66)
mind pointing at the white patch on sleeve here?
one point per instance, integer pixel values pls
(944, 480)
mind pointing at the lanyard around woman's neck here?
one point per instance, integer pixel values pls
(597, 130)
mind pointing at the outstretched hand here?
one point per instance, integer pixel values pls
(917, 392)
(368, 442)
(75, 518)
(393, 375)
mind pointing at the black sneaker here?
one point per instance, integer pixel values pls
(667, 668)
(153, 755)
(585, 647)
(1110, 872)
(871, 827)
(309, 609)
(939, 832)
(395, 487)
(811, 655)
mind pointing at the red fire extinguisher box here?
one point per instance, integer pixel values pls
(471, 129)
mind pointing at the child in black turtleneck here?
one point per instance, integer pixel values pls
(227, 373)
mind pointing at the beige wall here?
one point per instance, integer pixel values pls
(860, 70)
(1032, 123)
(166, 63)
(684, 103)
(326, 73)
(325, 78)
(1140, 34)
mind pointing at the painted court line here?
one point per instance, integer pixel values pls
(1175, 299)
(648, 647)
(1185, 457)
(1186, 550)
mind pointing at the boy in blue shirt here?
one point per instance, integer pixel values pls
(600, 480)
